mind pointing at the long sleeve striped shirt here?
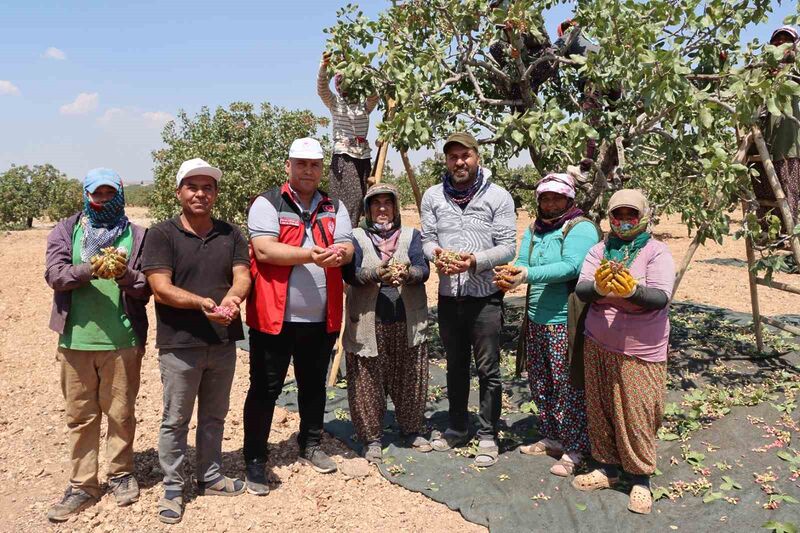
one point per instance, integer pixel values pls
(350, 120)
(486, 228)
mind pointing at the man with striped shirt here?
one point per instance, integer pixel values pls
(475, 218)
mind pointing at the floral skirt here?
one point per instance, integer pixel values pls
(625, 405)
(398, 371)
(562, 409)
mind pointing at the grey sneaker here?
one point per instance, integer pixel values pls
(125, 489)
(314, 457)
(73, 502)
(373, 452)
(256, 477)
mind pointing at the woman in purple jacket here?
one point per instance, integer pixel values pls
(625, 354)
(102, 325)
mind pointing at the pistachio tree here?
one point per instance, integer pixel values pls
(28, 192)
(665, 99)
(250, 145)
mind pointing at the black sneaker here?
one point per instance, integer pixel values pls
(125, 489)
(73, 502)
(256, 477)
(314, 457)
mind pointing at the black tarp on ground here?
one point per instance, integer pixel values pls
(711, 356)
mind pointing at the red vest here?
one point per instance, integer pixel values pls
(266, 303)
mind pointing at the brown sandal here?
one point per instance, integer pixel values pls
(594, 480)
(641, 500)
(540, 448)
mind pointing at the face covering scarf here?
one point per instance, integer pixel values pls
(102, 224)
(626, 240)
(384, 236)
(546, 225)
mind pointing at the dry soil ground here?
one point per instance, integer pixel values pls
(33, 452)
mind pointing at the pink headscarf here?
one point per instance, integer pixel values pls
(558, 183)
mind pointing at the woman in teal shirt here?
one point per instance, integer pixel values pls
(550, 260)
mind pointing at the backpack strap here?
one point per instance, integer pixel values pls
(565, 231)
(574, 222)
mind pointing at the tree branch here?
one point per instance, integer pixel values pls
(482, 98)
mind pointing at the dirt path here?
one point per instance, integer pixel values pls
(33, 454)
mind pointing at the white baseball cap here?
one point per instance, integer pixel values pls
(306, 148)
(197, 167)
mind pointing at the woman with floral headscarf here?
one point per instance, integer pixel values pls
(628, 280)
(350, 164)
(550, 259)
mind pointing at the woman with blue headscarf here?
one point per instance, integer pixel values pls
(99, 314)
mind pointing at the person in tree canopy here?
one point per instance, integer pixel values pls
(580, 45)
(350, 164)
(535, 45)
(782, 135)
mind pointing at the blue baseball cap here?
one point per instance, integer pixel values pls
(101, 176)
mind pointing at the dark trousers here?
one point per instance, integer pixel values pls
(310, 346)
(472, 325)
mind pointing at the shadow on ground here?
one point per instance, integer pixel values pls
(729, 412)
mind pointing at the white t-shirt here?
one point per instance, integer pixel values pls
(306, 299)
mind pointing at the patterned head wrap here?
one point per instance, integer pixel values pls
(102, 223)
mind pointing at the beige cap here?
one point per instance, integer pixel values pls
(633, 198)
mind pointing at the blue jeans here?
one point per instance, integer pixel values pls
(205, 373)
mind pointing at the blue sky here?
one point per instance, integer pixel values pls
(88, 83)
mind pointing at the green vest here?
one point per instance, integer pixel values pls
(97, 319)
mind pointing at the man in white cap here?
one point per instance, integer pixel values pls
(198, 269)
(300, 238)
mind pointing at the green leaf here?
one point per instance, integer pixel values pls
(785, 455)
(518, 137)
(580, 506)
(705, 117)
(780, 527)
(729, 484)
(712, 496)
(660, 492)
(772, 106)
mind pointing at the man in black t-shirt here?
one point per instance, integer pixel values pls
(199, 270)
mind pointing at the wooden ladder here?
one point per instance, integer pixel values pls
(782, 205)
